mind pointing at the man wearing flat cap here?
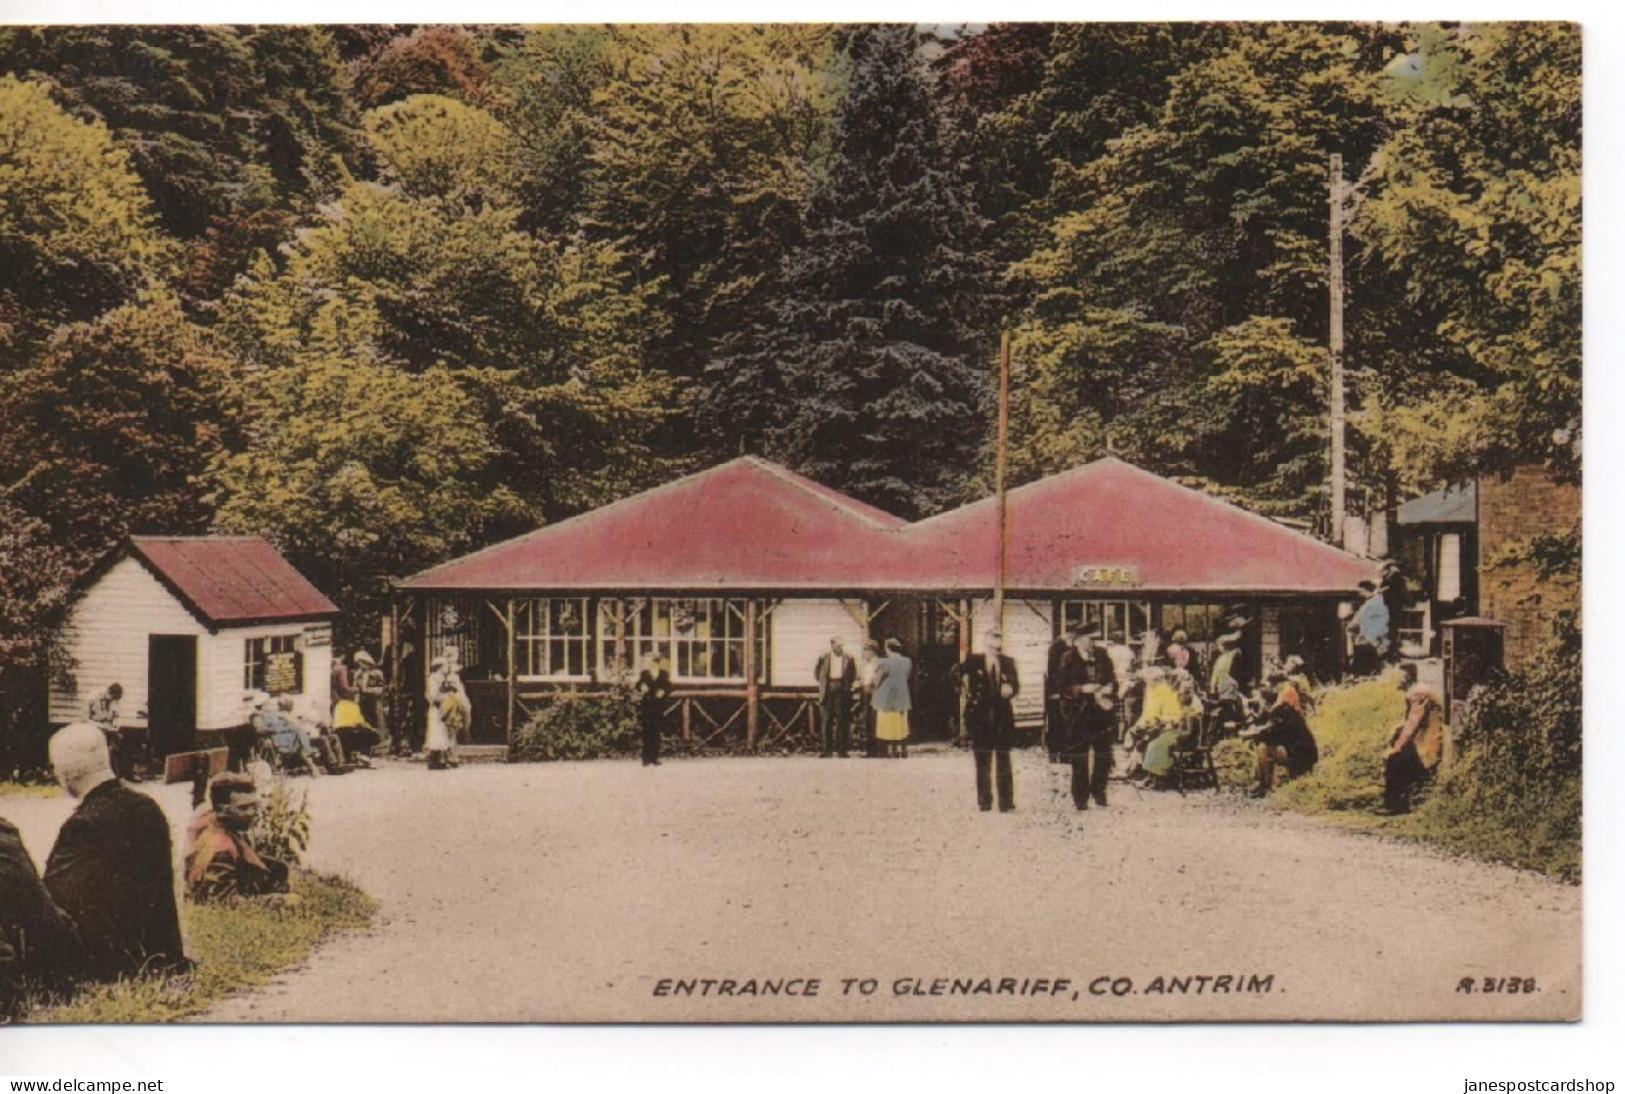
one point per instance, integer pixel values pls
(1088, 689)
(990, 683)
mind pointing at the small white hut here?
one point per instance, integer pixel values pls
(185, 625)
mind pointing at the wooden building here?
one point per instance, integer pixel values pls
(186, 625)
(738, 577)
(1465, 549)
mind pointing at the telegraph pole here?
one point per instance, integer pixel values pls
(1339, 484)
(1004, 431)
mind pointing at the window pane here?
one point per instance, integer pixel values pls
(1450, 566)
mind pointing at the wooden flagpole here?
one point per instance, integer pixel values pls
(999, 460)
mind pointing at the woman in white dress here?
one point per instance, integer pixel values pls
(449, 712)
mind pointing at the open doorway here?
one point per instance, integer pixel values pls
(172, 693)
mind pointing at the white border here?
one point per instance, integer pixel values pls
(1212, 1059)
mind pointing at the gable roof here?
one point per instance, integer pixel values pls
(744, 524)
(750, 524)
(235, 580)
(1452, 505)
(1111, 513)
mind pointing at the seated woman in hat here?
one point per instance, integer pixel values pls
(1171, 716)
(349, 722)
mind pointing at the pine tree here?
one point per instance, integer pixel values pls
(865, 369)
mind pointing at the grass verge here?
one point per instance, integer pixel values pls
(237, 945)
(1515, 818)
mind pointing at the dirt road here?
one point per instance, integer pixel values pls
(606, 891)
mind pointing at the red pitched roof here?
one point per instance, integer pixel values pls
(745, 524)
(750, 524)
(231, 579)
(1110, 513)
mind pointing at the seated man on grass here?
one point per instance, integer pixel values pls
(39, 944)
(1416, 747)
(1284, 740)
(221, 863)
(112, 869)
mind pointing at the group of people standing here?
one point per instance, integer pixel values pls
(871, 691)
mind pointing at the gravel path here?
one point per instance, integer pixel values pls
(568, 892)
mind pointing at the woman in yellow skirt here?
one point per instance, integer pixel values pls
(891, 700)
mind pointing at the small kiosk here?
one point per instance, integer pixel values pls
(185, 625)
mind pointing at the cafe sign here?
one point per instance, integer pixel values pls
(1106, 577)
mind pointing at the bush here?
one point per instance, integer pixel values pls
(282, 829)
(1513, 794)
(1236, 762)
(579, 725)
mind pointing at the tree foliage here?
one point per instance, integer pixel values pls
(77, 232)
(866, 368)
(248, 275)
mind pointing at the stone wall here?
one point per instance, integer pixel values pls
(1512, 511)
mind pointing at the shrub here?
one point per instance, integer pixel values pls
(282, 829)
(1236, 762)
(1513, 793)
(580, 726)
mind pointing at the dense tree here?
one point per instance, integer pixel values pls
(542, 88)
(36, 578)
(111, 430)
(866, 368)
(77, 233)
(430, 60)
(236, 132)
(360, 471)
(612, 250)
(1474, 205)
(435, 147)
(1184, 266)
(429, 288)
(704, 144)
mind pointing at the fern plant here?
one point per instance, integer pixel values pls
(282, 829)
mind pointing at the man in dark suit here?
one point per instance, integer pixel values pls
(112, 869)
(1088, 691)
(39, 945)
(837, 675)
(990, 683)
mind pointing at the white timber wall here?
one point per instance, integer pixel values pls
(801, 633)
(1029, 628)
(220, 660)
(106, 634)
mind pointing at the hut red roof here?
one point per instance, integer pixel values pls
(231, 579)
(750, 524)
(1109, 514)
(745, 524)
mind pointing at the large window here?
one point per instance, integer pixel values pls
(1200, 622)
(698, 639)
(1123, 621)
(274, 665)
(552, 638)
